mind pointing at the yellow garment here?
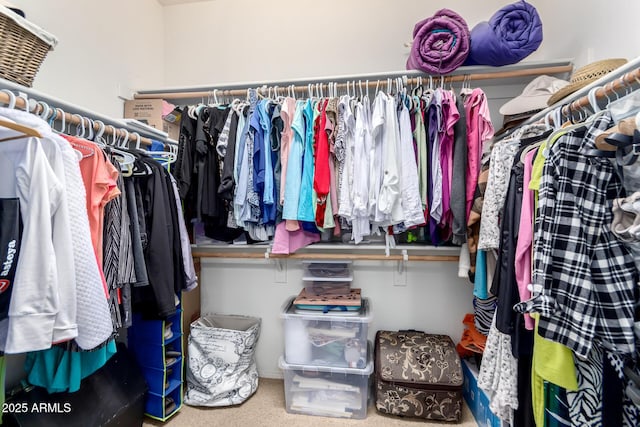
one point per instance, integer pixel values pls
(552, 362)
(538, 162)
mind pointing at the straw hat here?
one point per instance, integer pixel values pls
(585, 75)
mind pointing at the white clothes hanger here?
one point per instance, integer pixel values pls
(26, 101)
(98, 139)
(625, 106)
(125, 139)
(25, 131)
(80, 130)
(12, 98)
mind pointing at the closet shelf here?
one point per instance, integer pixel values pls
(332, 251)
(561, 68)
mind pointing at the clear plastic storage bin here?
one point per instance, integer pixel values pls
(326, 391)
(337, 339)
(327, 270)
(327, 277)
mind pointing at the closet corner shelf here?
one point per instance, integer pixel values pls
(363, 252)
(523, 70)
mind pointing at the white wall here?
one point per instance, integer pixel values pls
(103, 46)
(244, 40)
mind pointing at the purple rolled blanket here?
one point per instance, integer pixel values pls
(440, 43)
(512, 34)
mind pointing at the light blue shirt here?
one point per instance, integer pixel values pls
(240, 201)
(294, 165)
(305, 204)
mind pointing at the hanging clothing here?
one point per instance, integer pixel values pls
(292, 190)
(322, 177)
(498, 376)
(390, 210)
(420, 137)
(60, 370)
(345, 149)
(43, 300)
(287, 113)
(458, 181)
(305, 203)
(502, 157)
(92, 312)
(522, 262)
(450, 117)
(99, 177)
(376, 171)
(410, 192)
(363, 145)
(355, 167)
(599, 299)
(157, 300)
(479, 131)
(436, 129)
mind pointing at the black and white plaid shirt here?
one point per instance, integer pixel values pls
(587, 277)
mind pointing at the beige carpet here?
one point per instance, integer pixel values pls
(266, 409)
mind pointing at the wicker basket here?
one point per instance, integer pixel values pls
(22, 50)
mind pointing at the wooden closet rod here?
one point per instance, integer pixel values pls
(75, 119)
(371, 84)
(355, 257)
(622, 83)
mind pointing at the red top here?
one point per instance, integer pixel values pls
(322, 173)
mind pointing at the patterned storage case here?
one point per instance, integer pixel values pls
(418, 375)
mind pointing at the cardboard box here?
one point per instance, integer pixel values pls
(173, 129)
(148, 111)
(476, 399)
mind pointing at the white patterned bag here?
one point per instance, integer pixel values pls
(221, 369)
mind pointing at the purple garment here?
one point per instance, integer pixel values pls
(450, 116)
(431, 120)
(440, 43)
(512, 34)
(287, 242)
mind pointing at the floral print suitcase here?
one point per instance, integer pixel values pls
(418, 375)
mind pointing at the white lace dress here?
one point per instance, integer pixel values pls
(498, 376)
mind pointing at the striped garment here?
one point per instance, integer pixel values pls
(484, 310)
(111, 255)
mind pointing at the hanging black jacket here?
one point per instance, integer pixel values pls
(157, 300)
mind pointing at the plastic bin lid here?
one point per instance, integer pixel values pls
(334, 370)
(311, 278)
(364, 315)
